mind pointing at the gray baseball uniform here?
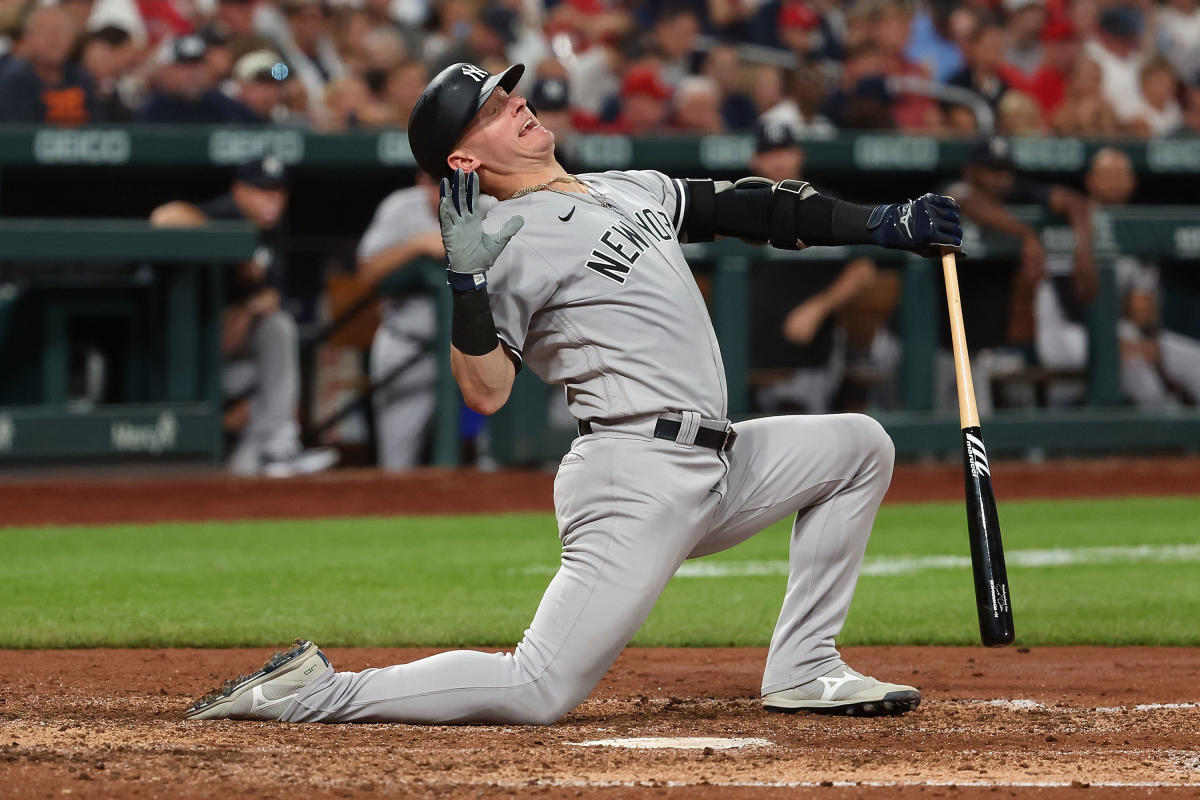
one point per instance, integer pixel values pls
(404, 406)
(601, 300)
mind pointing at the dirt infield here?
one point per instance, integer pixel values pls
(1085, 722)
(347, 493)
(1122, 721)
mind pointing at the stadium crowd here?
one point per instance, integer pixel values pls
(1070, 67)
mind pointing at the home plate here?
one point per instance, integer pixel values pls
(676, 743)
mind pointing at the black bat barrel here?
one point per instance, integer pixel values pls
(992, 600)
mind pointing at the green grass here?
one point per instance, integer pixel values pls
(465, 581)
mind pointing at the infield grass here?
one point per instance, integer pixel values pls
(1122, 571)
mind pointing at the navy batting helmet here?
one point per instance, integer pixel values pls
(446, 108)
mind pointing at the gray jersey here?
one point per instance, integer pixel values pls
(602, 301)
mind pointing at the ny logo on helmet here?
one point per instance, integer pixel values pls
(472, 71)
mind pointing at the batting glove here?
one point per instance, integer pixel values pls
(470, 251)
(926, 225)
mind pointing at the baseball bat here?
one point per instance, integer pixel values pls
(992, 600)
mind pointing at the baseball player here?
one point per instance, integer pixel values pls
(582, 280)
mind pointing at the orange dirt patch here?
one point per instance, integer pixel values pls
(1076, 722)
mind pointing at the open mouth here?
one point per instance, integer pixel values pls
(529, 125)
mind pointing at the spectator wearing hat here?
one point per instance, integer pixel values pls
(258, 84)
(1117, 51)
(258, 336)
(799, 30)
(185, 89)
(39, 83)
(644, 101)
(109, 57)
(723, 65)
(550, 101)
(795, 332)
(998, 301)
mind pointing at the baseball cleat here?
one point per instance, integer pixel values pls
(845, 692)
(265, 694)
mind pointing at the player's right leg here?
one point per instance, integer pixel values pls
(831, 472)
(629, 511)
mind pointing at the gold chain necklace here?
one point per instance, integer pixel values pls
(586, 196)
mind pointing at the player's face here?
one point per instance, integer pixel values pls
(503, 135)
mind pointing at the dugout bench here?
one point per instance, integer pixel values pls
(156, 293)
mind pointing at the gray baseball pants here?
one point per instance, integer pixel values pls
(630, 510)
(270, 362)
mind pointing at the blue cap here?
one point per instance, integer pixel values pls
(267, 172)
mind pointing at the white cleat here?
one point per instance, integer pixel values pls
(846, 692)
(266, 694)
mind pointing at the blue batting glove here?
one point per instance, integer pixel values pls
(926, 225)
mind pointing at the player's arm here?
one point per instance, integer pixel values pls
(792, 215)
(481, 365)
(989, 213)
(379, 265)
(1077, 208)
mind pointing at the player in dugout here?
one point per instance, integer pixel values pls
(258, 336)
(581, 278)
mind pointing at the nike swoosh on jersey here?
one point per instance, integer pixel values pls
(567, 217)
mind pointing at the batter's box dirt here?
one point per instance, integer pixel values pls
(1092, 722)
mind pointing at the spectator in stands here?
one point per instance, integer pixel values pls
(984, 56)
(674, 39)
(1191, 111)
(403, 362)
(1178, 35)
(1156, 364)
(1160, 113)
(185, 90)
(863, 100)
(698, 106)
(349, 105)
(890, 27)
(644, 106)
(1117, 51)
(932, 42)
(1019, 115)
(1085, 111)
(258, 86)
(1026, 21)
(723, 65)
(404, 85)
(258, 337)
(39, 84)
(551, 101)
(302, 36)
(799, 30)
(109, 56)
(235, 19)
(1060, 49)
(795, 310)
(999, 303)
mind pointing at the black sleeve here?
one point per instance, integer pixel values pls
(787, 220)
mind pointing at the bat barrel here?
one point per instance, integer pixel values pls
(987, 550)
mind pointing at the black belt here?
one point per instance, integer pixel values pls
(669, 429)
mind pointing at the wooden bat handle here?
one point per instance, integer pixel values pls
(968, 414)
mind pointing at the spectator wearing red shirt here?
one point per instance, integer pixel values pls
(1048, 84)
